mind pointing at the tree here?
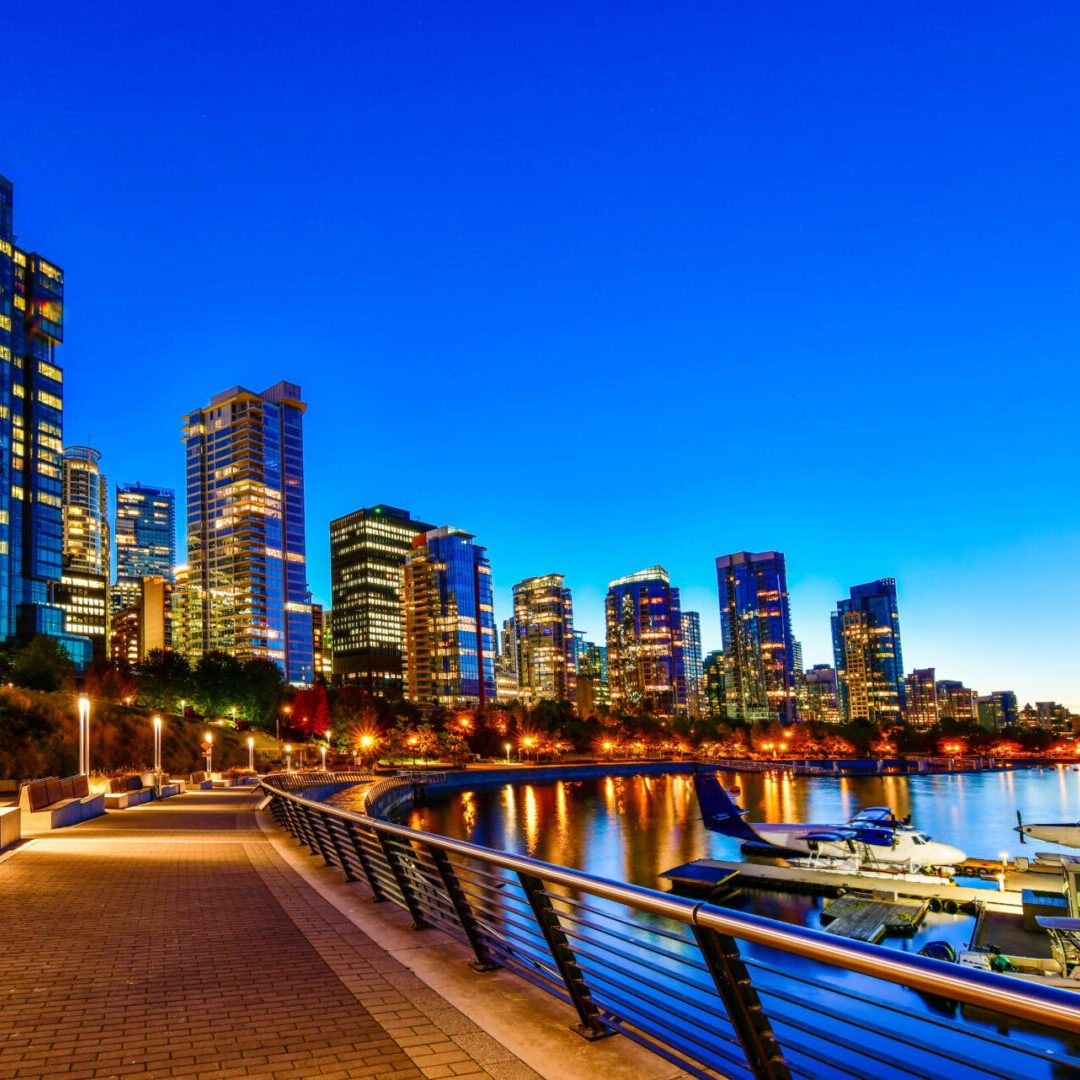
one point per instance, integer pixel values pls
(216, 683)
(42, 664)
(310, 711)
(164, 679)
(262, 691)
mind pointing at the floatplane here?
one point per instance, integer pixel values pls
(873, 840)
(1066, 833)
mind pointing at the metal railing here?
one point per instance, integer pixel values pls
(717, 992)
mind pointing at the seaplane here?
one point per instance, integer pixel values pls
(874, 836)
(1066, 833)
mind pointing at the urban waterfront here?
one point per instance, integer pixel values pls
(633, 828)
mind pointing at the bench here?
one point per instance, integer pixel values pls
(128, 791)
(202, 780)
(10, 826)
(51, 803)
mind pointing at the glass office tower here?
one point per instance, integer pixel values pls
(691, 639)
(145, 533)
(920, 698)
(368, 549)
(644, 644)
(449, 620)
(544, 639)
(247, 558)
(866, 648)
(31, 441)
(755, 624)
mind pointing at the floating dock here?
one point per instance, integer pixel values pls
(776, 874)
(866, 917)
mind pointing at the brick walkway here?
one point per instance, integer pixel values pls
(172, 941)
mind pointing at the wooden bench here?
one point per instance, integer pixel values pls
(201, 780)
(128, 791)
(10, 826)
(51, 803)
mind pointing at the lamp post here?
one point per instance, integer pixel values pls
(209, 751)
(287, 710)
(183, 708)
(251, 752)
(288, 757)
(322, 750)
(527, 743)
(84, 735)
(233, 713)
(157, 744)
(607, 747)
(366, 742)
(507, 748)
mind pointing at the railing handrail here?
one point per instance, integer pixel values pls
(1046, 1005)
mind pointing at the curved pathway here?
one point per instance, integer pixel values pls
(172, 940)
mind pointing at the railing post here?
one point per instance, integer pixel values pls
(338, 849)
(407, 893)
(358, 846)
(311, 840)
(732, 979)
(461, 907)
(314, 821)
(547, 919)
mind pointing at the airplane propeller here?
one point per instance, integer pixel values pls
(1020, 826)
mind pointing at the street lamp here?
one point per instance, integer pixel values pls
(287, 710)
(322, 750)
(84, 735)
(251, 752)
(209, 739)
(183, 708)
(157, 744)
(527, 742)
(506, 746)
(607, 747)
(233, 712)
(288, 757)
(366, 743)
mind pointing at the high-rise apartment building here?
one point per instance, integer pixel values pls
(817, 695)
(755, 624)
(920, 698)
(322, 643)
(449, 620)
(644, 644)
(592, 675)
(368, 549)
(692, 666)
(186, 616)
(998, 710)
(31, 441)
(247, 556)
(956, 702)
(145, 533)
(712, 677)
(146, 625)
(82, 592)
(544, 639)
(866, 648)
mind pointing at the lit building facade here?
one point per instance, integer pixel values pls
(755, 625)
(692, 667)
(644, 644)
(145, 626)
(817, 695)
(998, 710)
(712, 674)
(31, 441)
(368, 549)
(246, 544)
(322, 645)
(449, 620)
(920, 698)
(86, 511)
(145, 533)
(544, 639)
(866, 648)
(186, 616)
(592, 675)
(956, 702)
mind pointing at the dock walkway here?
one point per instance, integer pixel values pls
(182, 939)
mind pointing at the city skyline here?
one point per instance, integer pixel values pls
(907, 282)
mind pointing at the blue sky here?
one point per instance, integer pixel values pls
(607, 288)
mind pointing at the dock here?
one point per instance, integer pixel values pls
(778, 875)
(868, 917)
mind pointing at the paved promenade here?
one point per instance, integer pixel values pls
(173, 940)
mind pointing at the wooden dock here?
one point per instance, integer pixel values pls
(777, 875)
(866, 917)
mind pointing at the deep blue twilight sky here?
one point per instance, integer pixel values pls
(607, 287)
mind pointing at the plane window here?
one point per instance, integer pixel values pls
(919, 838)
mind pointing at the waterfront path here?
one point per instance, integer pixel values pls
(176, 940)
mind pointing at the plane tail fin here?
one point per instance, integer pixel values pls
(719, 813)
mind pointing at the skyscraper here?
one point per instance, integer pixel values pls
(544, 639)
(712, 674)
(592, 675)
(644, 644)
(998, 710)
(368, 549)
(82, 592)
(866, 647)
(31, 441)
(956, 702)
(691, 639)
(755, 623)
(247, 557)
(817, 695)
(920, 698)
(449, 620)
(145, 533)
